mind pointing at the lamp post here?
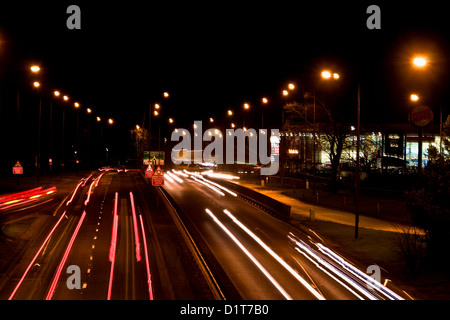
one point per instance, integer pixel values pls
(36, 84)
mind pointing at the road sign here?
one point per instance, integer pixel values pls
(17, 169)
(146, 157)
(158, 177)
(157, 158)
(149, 172)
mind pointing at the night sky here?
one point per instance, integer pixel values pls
(215, 55)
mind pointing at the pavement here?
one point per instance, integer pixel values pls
(302, 211)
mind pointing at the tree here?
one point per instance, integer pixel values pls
(331, 128)
(428, 199)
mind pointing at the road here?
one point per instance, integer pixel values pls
(257, 256)
(116, 237)
(115, 244)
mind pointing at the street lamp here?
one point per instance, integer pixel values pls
(414, 97)
(36, 84)
(35, 69)
(266, 101)
(110, 121)
(419, 61)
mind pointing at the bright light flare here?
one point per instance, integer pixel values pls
(414, 97)
(420, 61)
(35, 69)
(326, 74)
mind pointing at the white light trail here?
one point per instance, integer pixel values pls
(173, 176)
(366, 279)
(275, 256)
(219, 186)
(208, 185)
(252, 258)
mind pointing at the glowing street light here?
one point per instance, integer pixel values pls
(66, 98)
(76, 104)
(56, 93)
(414, 97)
(36, 84)
(326, 74)
(98, 119)
(170, 120)
(35, 69)
(110, 121)
(157, 106)
(230, 113)
(246, 106)
(291, 86)
(89, 110)
(166, 94)
(419, 61)
(264, 100)
(285, 93)
(137, 127)
(155, 112)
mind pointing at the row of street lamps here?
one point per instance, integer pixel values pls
(35, 69)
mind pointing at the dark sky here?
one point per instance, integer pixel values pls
(214, 55)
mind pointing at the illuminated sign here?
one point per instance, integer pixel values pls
(293, 151)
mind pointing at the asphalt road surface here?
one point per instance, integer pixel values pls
(116, 237)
